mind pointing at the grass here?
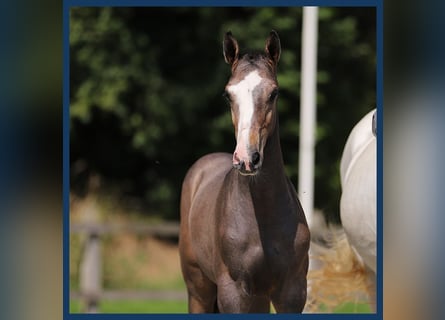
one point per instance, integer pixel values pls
(351, 307)
(134, 306)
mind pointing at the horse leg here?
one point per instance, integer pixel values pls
(234, 297)
(290, 295)
(201, 291)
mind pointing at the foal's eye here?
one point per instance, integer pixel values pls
(273, 95)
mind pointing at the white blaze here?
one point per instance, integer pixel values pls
(243, 96)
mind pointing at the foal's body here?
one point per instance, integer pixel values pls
(244, 237)
(238, 253)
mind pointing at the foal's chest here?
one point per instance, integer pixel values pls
(256, 234)
(257, 255)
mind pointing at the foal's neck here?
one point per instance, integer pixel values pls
(270, 188)
(272, 177)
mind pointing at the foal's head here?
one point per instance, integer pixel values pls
(252, 92)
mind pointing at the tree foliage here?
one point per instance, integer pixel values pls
(146, 85)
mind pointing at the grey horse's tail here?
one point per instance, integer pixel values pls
(336, 274)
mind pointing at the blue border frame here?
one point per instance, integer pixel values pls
(379, 92)
(223, 3)
(67, 4)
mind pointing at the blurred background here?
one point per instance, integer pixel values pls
(146, 94)
(146, 102)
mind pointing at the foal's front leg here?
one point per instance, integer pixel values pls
(290, 295)
(291, 298)
(236, 297)
(201, 292)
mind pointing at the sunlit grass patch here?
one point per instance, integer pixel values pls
(351, 307)
(134, 306)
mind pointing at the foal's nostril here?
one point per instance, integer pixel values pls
(255, 158)
(239, 165)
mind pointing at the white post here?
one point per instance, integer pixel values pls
(91, 274)
(91, 266)
(308, 110)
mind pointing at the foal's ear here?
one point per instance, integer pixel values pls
(273, 47)
(230, 48)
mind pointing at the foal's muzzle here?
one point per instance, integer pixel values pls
(248, 166)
